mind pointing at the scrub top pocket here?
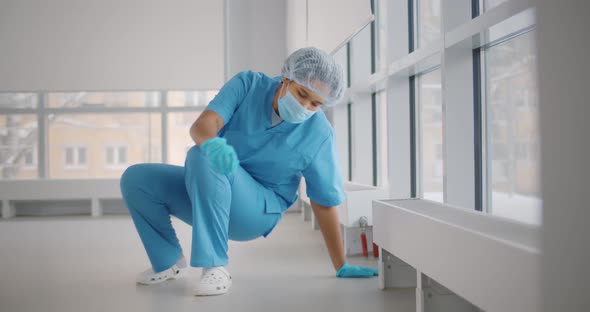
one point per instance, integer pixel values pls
(271, 202)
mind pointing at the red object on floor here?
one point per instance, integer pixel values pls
(375, 250)
(364, 243)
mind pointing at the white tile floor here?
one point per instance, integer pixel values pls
(84, 264)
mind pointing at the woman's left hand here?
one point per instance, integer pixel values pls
(356, 271)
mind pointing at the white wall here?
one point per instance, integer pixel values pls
(257, 36)
(71, 45)
(296, 25)
(562, 41)
(331, 23)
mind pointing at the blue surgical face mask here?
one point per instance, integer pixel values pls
(291, 110)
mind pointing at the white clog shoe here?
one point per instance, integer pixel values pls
(149, 277)
(214, 281)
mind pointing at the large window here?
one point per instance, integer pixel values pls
(429, 123)
(512, 132)
(94, 134)
(460, 113)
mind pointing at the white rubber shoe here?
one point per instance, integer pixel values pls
(214, 281)
(149, 277)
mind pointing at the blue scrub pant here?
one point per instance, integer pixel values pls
(219, 207)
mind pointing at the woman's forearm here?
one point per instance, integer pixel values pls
(206, 127)
(330, 226)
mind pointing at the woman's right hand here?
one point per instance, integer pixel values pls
(222, 156)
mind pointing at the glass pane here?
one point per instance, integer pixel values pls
(18, 137)
(428, 21)
(381, 35)
(30, 157)
(18, 100)
(82, 156)
(341, 57)
(69, 156)
(360, 56)
(382, 166)
(110, 156)
(190, 98)
(512, 130)
(140, 132)
(103, 99)
(122, 155)
(179, 139)
(429, 99)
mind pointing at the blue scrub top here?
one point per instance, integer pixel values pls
(278, 156)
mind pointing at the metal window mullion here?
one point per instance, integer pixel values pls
(349, 122)
(445, 25)
(349, 109)
(486, 198)
(418, 137)
(507, 37)
(413, 137)
(373, 38)
(42, 138)
(411, 26)
(443, 104)
(348, 66)
(479, 141)
(478, 128)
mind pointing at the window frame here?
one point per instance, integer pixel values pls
(116, 148)
(76, 165)
(417, 133)
(488, 169)
(42, 112)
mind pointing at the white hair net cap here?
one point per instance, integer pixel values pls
(317, 71)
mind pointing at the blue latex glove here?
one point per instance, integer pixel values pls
(221, 155)
(356, 271)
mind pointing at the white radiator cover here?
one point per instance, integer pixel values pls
(490, 261)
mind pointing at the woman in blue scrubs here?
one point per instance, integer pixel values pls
(254, 142)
